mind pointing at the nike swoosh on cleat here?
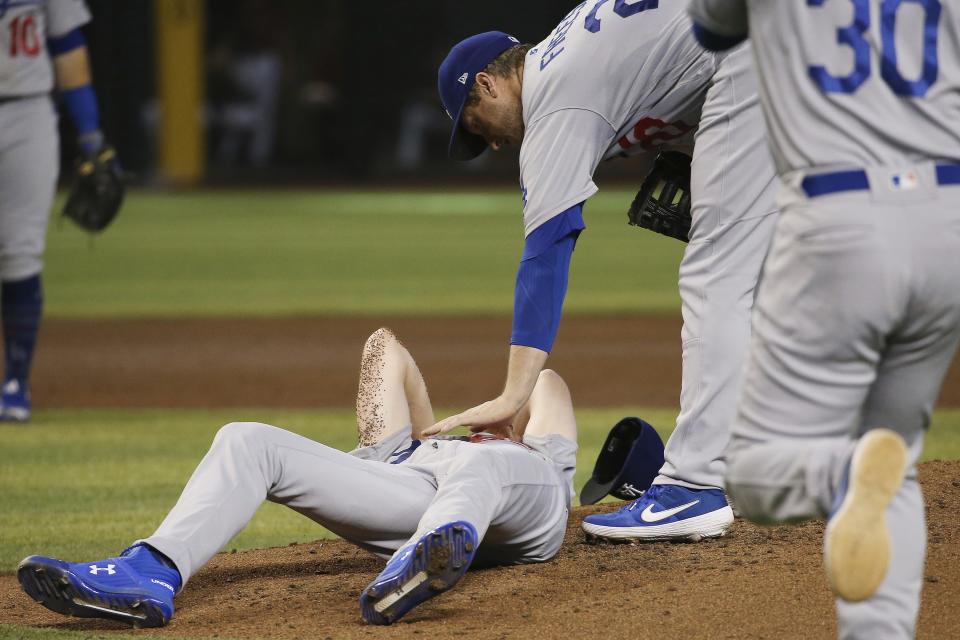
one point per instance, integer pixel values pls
(649, 515)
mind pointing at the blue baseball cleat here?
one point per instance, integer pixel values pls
(857, 546)
(114, 589)
(14, 402)
(419, 571)
(665, 512)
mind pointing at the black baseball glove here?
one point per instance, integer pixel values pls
(663, 202)
(97, 191)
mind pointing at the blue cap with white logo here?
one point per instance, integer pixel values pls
(628, 463)
(458, 71)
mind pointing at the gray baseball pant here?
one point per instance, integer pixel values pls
(517, 498)
(857, 321)
(733, 187)
(29, 165)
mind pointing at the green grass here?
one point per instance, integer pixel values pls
(84, 484)
(333, 252)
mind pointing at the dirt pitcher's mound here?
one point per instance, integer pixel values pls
(755, 583)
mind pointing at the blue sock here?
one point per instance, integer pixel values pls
(150, 563)
(21, 304)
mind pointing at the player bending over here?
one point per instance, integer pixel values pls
(430, 506)
(612, 80)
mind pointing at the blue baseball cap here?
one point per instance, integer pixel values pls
(456, 77)
(628, 463)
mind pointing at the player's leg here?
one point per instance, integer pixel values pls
(833, 359)
(506, 494)
(370, 503)
(902, 399)
(732, 188)
(29, 164)
(392, 395)
(513, 497)
(548, 411)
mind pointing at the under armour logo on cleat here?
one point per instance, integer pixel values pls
(463, 79)
(94, 569)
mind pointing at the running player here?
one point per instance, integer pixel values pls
(430, 506)
(858, 316)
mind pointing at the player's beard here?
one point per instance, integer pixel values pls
(511, 123)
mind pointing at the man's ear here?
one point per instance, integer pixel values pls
(487, 84)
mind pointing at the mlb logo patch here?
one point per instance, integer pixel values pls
(905, 181)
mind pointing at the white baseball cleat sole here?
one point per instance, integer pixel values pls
(857, 541)
(708, 525)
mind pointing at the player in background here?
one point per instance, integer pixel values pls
(613, 80)
(424, 504)
(858, 314)
(40, 43)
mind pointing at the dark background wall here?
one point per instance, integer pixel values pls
(352, 88)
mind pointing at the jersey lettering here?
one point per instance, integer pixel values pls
(854, 37)
(652, 132)
(888, 64)
(23, 37)
(622, 8)
(554, 47)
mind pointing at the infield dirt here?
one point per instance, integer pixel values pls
(314, 361)
(755, 583)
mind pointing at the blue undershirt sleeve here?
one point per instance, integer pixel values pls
(542, 279)
(714, 41)
(66, 43)
(80, 102)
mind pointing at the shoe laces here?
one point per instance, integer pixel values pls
(649, 495)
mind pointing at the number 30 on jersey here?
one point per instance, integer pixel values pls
(853, 36)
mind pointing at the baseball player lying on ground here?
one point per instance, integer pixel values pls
(424, 504)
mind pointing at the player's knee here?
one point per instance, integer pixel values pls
(745, 489)
(379, 339)
(550, 382)
(19, 266)
(245, 435)
(551, 378)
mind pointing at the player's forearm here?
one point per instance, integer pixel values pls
(524, 367)
(72, 69)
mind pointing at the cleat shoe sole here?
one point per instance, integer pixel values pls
(57, 588)
(440, 559)
(14, 414)
(857, 541)
(709, 525)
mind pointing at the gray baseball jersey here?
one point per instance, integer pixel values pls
(858, 315)
(851, 82)
(25, 26)
(612, 79)
(617, 79)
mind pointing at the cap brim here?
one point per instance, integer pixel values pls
(463, 144)
(593, 492)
